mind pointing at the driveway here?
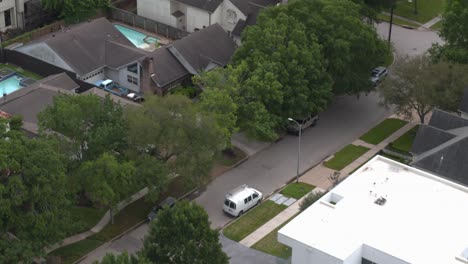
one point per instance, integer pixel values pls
(409, 41)
(347, 118)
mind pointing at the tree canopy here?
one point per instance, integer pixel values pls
(283, 73)
(351, 47)
(175, 131)
(454, 32)
(182, 235)
(33, 197)
(91, 124)
(75, 11)
(418, 85)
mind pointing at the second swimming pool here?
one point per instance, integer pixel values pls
(138, 39)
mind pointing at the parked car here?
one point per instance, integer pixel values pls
(169, 201)
(135, 97)
(241, 199)
(112, 87)
(378, 74)
(311, 120)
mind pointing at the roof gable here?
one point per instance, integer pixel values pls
(207, 5)
(428, 138)
(89, 46)
(445, 121)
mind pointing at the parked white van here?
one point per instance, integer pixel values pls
(241, 199)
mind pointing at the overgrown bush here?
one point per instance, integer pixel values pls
(310, 199)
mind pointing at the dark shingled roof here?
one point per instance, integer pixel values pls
(91, 45)
(464, 102)
(445, 121)
(29, 101)
(252, 10)
(450, 162)
(199, 51)
(207, 5)
(428, 138)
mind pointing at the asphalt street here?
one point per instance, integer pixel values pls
(346, 119)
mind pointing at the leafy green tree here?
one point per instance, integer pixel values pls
(75, 11)
(418, 85)
(220, 88)
(351, 47)
(107, 181)
(175, 131)
(123, 258)
(371, 8)
(283, 73)
(454, 32)
(34, 202)
(182, 235)
(91, 125)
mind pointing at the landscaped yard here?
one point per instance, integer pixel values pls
(231, 156)
(128, 217)
(345, 156)
(405, 142)
(252, 220)
(397, 21)
(427, 9)
(85, 218)
(437, 26)
(297, 190)
(73, 252)
(383, 130)
(20, 71)
(270, 245)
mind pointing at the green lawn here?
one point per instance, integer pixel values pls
(270, 245)
(252, 220)
(405, 142)
(397, 21)
(427, 9)
(383, 130)
(85, 218)
(437, 26)
(20, 71)
(395, 158)
(128, 217)
(231, 156)
(73, 252)
(345, 156)
(297, 190)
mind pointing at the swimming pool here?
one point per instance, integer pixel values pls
(10, 85)
(138, 39)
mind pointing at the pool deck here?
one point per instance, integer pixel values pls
(162, 39)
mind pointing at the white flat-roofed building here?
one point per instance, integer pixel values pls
(384, 213)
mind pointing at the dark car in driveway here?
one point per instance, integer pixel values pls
(169, 201)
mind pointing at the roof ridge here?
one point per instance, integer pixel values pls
(442, 146)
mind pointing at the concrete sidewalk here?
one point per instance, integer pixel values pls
(318, 176)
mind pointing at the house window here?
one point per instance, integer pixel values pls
(132, 79)
(231, 16)
(7, 15)
(133, 68)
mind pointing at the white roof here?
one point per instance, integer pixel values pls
(423, 220)
(106, 82)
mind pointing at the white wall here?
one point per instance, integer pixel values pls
(6, 5)
(93, 76)
(197, 18)
(355, 257)
(159, 10)
(224, 20)
(302, 254)
(380, 257)
(120, 76)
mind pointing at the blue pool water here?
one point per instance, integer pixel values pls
(10, 85)
(138, 39)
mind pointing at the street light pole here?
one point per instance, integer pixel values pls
(298, 147)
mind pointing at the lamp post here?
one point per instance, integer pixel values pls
(298, 147)
(415, 6)
(391, 24)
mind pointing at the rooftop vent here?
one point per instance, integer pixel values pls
(380, 201)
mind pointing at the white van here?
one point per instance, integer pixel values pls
(241, 199)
